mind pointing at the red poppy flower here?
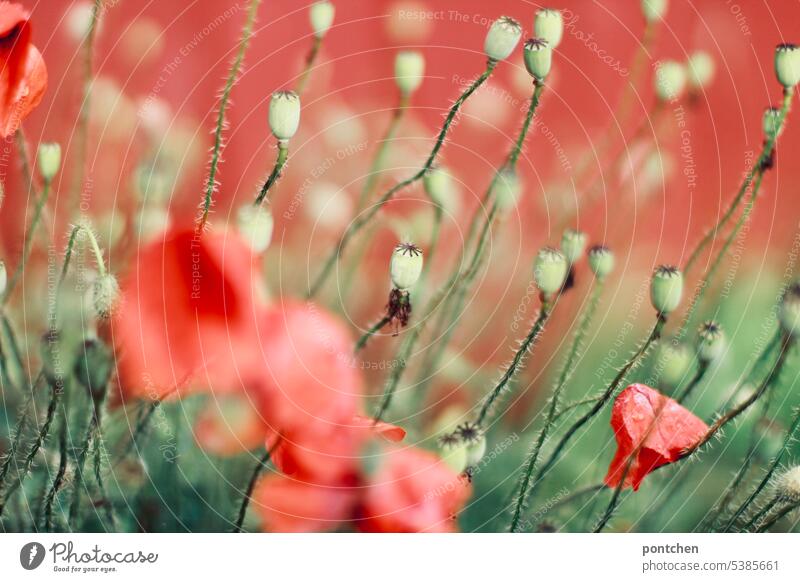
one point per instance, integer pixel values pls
(413, 491)
(23, 75)
(652, 428)
(189, 315)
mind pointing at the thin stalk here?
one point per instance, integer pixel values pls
(233, 74)
(777, 517)
(572, 355)
(141, 425)
(693, 383)
(63, 457)
(758, 516)
(280, 161)
(19, 429)
(302, 83)
(257, 470)
(91, 433)
(366, 217)
(379, 325)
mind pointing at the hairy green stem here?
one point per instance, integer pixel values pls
(280, 161)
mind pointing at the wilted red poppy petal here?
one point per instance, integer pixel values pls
(652, 428)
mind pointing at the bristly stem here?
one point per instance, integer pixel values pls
(777, 517)
(566, 369)
(233, 75)
(302, 83)
(367, 216)
(759, 168)
(527, 344)
(283, 154)
(19, 429)
(46, 510)
(257, 470)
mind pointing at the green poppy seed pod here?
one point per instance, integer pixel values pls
(787, 64)
(601, 261)
(255, 224)
(666, 289)
(701, 69)
(507, 189)
(284, 114)
(550, 270)
(787, 485)
(538, 58)
(772, 123)
(409, 70)
(502, 38)
(321, 17)
(573, 243)
(93, 367)
(3, 277)
(105, 295)
(549, 25)
(49, 156)
(474, 439)
(654, 9)
(406, 265)
(670, 80)
(675, 361)
(453, 452)
(439, 185)
(710, 342)
(789, 314)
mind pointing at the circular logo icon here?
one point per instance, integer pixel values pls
(31, 555)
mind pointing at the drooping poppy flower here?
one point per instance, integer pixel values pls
(412, 491)
(23, 75)
(189, 315)
(651, 430)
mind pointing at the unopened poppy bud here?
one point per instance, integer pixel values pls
(701, 69)
(438, 185)
(255, 224)
(787, 64)
(666, 289)
(773, 126)
(94, 366)
(787, 485)
(3, 278)
(321, 16)
(507, 189)
(409, 70)
(601, 261)
(789, 314)
(654, 9)
(573, 243)
(105, 295)
(549, 25)
(670, 80)
(284, 114)
(406, 265)
(550, 270)
(49, 156)
(538, 58)
(675, 361)
(502, 38)
(474, 440)
(710, 342)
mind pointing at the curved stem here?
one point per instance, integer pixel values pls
(777, 517)
(693, 383)
(19, 429)
(28, 243)
(362, 341)
(309, 64)
(47, 505)
(280, 161)
(257, 470)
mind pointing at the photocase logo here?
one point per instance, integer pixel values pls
(31, 555)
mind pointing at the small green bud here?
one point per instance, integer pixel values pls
(409, 70)
(654, 9)
(3, 277)
(773, 126)
(439, 185)
(538, 58)
(49, 155)
(105, 295)
(93, 367)
(573, 243)
(284, 114)
(666, 289)
(255, 224)
(789, 314)
(507, 189)
(787, 64)
(321, 17)
(710, 342)
(549, 25)
(787, 485)
(601, 261)
(550, 270)
(670, 80)
(405, 266)
(675, 361)
(701, 69)
(502, 38)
